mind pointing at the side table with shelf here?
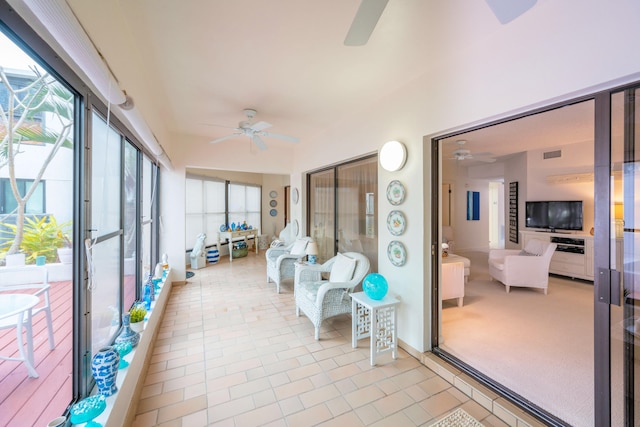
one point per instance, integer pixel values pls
(376, 319)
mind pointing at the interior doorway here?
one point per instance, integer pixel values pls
(496, 215)
(492, 333)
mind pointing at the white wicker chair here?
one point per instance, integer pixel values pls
(280, 261)
(321, 299)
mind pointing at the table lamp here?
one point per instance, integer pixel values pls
(312, 252)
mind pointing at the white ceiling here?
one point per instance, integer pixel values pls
(193, 66)
(198, 64)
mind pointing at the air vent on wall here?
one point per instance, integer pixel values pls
(552, 154)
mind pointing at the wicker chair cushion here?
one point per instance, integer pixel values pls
(310, 289)
(342, 270)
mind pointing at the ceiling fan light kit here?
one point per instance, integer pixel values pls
(254, 131)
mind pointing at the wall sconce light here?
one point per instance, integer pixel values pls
(393, 155)
(312, 252)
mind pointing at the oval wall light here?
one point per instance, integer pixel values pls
(393, 155)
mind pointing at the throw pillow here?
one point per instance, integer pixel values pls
(342, 270)
(535, 247)
(299, 247)
(525, 253)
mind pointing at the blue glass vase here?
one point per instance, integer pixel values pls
(375, 286)
(104, 367)
(127, 335)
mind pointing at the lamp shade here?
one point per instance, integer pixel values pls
(393, 155)
(312, 248)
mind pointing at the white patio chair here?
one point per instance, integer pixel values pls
(321, 299)
(33, 278)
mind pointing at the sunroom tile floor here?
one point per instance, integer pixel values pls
(231, 352)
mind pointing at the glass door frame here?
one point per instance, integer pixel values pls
(606, 280)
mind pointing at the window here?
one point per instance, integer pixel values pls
(213, 202)
(35, 204)
(244, 204)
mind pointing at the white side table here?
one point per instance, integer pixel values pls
(376, 319)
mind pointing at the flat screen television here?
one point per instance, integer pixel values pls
(554, 215)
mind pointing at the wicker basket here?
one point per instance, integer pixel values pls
(240, 250)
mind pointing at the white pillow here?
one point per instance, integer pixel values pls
(299, 247)
(342, 270)
(535, 246)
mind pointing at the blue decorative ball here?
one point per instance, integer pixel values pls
(375, 286)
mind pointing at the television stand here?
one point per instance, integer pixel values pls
(573, 256)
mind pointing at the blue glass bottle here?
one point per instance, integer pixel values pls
(148, 293)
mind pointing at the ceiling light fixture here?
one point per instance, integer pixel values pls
(393, 156)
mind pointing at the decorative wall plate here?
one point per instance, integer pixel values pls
(223, 227)
(294, 196)
(397, 253)
(395, 192)
(273, 212)
(273, 194)
(396, 223)
(273, 203)
(294, 227)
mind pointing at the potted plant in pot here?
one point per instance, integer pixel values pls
(136, 316)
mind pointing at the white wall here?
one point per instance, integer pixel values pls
(576, 158)
(513, 69)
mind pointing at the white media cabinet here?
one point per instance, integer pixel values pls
(573, 256)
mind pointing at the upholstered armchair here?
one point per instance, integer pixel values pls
(281, 259)
(321, 299)
(525, 268)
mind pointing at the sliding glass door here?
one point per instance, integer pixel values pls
(618, 283)
(342, 209)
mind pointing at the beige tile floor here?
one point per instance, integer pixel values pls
(231, 352)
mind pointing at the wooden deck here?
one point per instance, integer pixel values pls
(26, 401)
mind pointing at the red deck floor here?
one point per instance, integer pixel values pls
(26, 401)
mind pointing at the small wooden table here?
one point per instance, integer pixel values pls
(230, 235)
(376, 319)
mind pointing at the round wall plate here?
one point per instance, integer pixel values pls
(273, 203)
(273, 212)
(294, 196)
(273, 194)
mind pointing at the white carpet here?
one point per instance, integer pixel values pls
(458, 418)
(540, 346)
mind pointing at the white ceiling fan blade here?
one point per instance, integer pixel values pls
(224, 138)
(260, 126)
(259, 142)
(508, 10)
(364, 22)
(285, 137)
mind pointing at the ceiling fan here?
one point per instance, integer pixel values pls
(370, 11)
(255, 131)
(465, 154)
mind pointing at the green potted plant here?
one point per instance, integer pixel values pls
(136, 317)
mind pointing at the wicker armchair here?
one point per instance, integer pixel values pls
(321, 299)
(281, 259)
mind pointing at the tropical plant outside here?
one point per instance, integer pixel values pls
(40, 113)
(41, 237)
